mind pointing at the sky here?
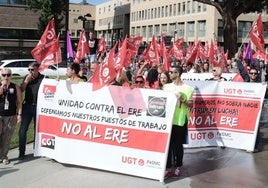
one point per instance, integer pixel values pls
(93, 2)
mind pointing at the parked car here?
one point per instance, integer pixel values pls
(19, 67)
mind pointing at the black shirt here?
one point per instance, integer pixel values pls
(31, 90)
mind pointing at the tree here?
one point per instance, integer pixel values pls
(49, 9)
(229, 11)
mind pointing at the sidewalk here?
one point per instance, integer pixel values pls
(204, 168)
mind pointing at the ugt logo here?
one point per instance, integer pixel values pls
(48, 141)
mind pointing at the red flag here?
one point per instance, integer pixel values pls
(177, 50)
(102, 45)
(152, 53)
(82, 48)
(133, 43)
(256, 34)
(260, 55)
(164, 54)
(217, 56)
(46, 45)
(52, 58)
(104, 73)
(191, 53)
(120, 61)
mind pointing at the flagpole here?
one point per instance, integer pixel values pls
(242, 43)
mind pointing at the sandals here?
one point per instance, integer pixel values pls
(5, 161)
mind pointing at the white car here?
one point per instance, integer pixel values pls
(19, 67)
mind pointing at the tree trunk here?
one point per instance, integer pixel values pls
(230, 34)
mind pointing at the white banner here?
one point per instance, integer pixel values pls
(225, 114)
(115, 128)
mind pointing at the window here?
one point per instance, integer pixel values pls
(75, 20)
(172, 28)
(164, 28)
(198, 7)
(193, 6)
(143, 31)
(174, 10)
(157, 29)
(201, 28)
(179, 8)
(166, 11)
(183, 8)
(243, 28)
(170, 10)
(133, 31)
(204, 7)
(190, 29)
(181, 29)
(220, 28)
(138, 31)
(188, 7)
(162, 12)
(150, 31)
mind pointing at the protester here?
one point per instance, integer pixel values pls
(217, 72)
(93, 47)
(72, 73)
(164, 78)
(179, 132)
(30, 85)
(205, 67)
(83, 72)
(152, 78)
(10, 112)
(139, 82)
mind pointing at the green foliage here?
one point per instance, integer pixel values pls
(49, 9)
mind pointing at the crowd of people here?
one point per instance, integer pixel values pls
(141, 74)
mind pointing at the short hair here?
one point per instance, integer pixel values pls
(34, 64)
(178, 69)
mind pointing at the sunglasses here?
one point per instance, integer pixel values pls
(30, 69)
(214, 70)
(253, 73)
(171, 72)
(4, 75)
(139, 82)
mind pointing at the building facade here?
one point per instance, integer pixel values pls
(173, 18)
(18, 30)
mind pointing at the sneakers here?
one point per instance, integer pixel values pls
(177, 173)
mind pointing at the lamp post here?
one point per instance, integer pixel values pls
(175, 31)
(84, 19)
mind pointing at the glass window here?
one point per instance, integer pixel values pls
(201, 28)
(190, 29)
(181, 29)
(183, 8)
(220, 28)
(143, 31)
(188, 7)
(150, 31)
(243, 28)
(179, 8)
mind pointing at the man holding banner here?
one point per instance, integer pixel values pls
(178, 137)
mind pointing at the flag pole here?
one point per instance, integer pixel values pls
(243, 42)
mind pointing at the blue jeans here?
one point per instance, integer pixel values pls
(28, 113)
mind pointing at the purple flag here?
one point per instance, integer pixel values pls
(70, 52)
(248, 53)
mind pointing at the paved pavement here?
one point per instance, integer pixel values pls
(204, 168)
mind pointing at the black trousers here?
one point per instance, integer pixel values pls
(177, 139)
